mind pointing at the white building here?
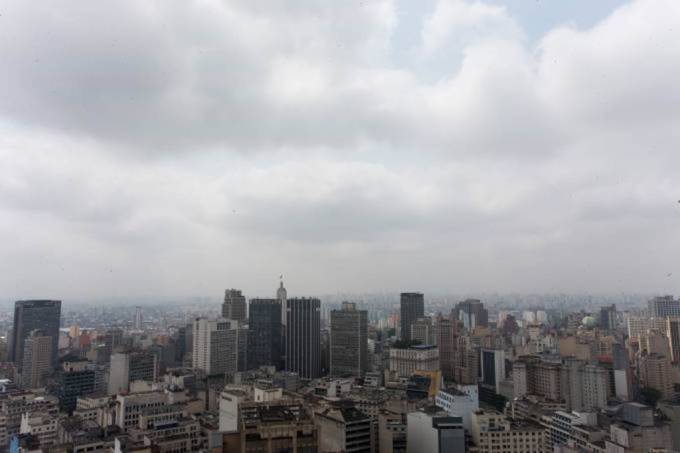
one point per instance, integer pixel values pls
(416, 358)
(215, 345)
(433, 431)
(230, 398)
(457, 403)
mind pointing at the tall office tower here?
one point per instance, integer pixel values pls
(215, 345)
(412, 308)
(655, 372)
(673, 335)
(662, 306)
(37, 361)
(139, 320)
(446, 342)
(608, 317)
(303, 337)
(422, 330)
(264, 334)
(583, 387)
(472, 313)
(349, 341)
(492, 369)
(234, 306)
(30, 315)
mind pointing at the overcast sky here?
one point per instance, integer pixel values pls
(180, 147)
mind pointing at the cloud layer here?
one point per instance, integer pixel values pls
(177, 148)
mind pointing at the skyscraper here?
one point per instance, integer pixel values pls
(303, 337)
(264, 341)
(446, 342)
(139, 321)
(472, 313)
(234, 306)
(30, 315)
(412, 308)
(608, 317)
(282, 296)
(215, 348)
(349, 341)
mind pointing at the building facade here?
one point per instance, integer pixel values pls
(412, 307)
(30, 315)
(349, 341)
(234, 306)
(303, 337)
(264, 333)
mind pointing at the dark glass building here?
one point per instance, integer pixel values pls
(30, 315)
(412, 308)
(303, 337)
(349, 341)
(264, 333)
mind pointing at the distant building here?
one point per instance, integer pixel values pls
(608, 317)
(139, 320)
(216, 347)
(74, 380)
(673, 335)
(662, 306)
(30, 315)
(446, 333)
(638, 431)
(471, 313)
(412, 307)
(349, 341)
(264, 333)
(434, 431)
(492, 369)
(282, 425)
(656, 372)
(234, 306)
(303, 332)
(532, 376)
(584, 387)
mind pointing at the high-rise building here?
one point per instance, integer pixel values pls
(303, 337)
(264, 330)
(446, 331)
(75, 379)
(282, 297)
(492, 369)
(215, 343)
(608, 317)
(349, 341)
(37, 360)
(139, 320)
(127, 367)
(30, 315)
(583, 387)
(412, 308)
(406, 361)
(655, 372)
(532, 376)
(662, 306)
(234, 306)
(472, 313)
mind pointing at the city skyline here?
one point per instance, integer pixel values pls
(352, 146)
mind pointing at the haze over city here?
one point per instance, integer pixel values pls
(178, 148)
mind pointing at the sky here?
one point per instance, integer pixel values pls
(178, 148)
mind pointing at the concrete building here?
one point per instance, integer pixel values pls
(493, 432)
(673, 335)
(459, 403)
(434, 431)
(656, 372)
(412, 307)
(215, 345)
(422, 331)
(75, 379)
(283, 425)
(638, 325)
(349, 341)
(583, 387)
(303, 337)
(392, 432)
(492, 369)
(234, 306)
(532, 376)
(573, 431)
(264, 333)
(344, 429)
(128, 367)
(608, 317)
(37, 360)
(638, 432)
(407, 361)
(30, 315)
(230, 399)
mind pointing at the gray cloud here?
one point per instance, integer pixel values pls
(176, 148)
